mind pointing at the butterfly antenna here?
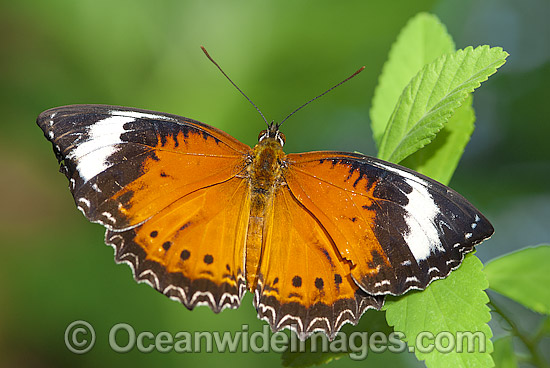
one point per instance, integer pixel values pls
(229, 79)
(322, 94)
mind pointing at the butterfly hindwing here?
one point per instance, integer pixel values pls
(192, 250)
(167, 189)
(304, 284)
(399, 229)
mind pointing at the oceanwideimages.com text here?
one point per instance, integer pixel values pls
(80, 338)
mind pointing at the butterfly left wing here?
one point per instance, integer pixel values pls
(399, 229)
(168, 190)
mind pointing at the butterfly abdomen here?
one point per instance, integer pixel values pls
(265, 174)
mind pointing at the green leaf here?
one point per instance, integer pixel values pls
(523, 276)
(456, 304)
(503, 355)
(433, 95)
(439, 159)
(420, 42)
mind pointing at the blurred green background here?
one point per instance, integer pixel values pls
(55, 268)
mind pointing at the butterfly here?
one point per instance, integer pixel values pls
(317, 237)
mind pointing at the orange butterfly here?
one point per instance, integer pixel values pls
(318, 237)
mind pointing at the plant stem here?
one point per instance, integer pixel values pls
(530, 344)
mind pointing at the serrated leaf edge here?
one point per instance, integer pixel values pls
(462, 95)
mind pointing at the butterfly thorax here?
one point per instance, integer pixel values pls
(265, 173)
(265, 169)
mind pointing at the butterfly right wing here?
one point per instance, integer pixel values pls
(400, 229)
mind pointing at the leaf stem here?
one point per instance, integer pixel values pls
(530, 343)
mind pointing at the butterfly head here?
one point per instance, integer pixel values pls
(272, 132)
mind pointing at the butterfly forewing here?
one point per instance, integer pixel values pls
(400, 229)
(126, 164)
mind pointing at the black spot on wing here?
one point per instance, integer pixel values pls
(185, 254)
(319, 283)
(208, 259)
